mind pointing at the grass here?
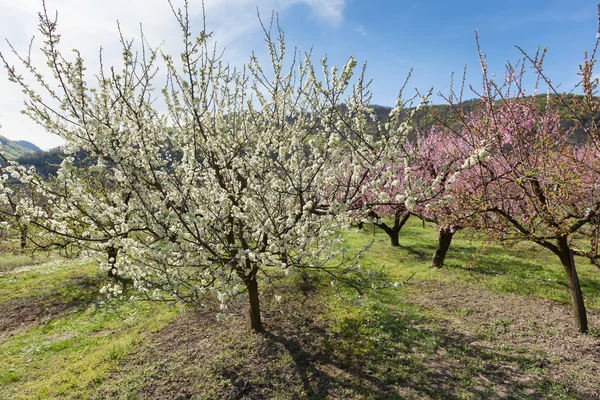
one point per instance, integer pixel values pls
(16, 260)
(472, 330)
(51, 277)
(525, 269)
(67, 354)
(83, 346)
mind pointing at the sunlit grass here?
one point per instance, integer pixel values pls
(15, 260)
(371, 344)
(70, 356)
(43, 278)
(525, 269)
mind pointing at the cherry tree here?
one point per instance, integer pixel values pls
(380, 206)
(434, 170)
(221, 189)
(370, 181)
(378, 202)
(10, 217)
(526, 181)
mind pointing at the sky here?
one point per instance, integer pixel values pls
(433, 37)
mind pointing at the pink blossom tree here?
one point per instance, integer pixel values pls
(525, 180)
(387, 202)
(370, 194)
(370, 180)
(434, 171)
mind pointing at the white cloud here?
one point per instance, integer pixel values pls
(88, 25)
(361, 29)
(329, 10)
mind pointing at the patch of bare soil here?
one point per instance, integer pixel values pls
(518, 326)
(475, 345)
(23, 313)
(201, 358)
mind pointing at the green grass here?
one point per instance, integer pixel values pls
(525, 269)
(16, 260)
(53, 276)
(321, 341)
(69, 357)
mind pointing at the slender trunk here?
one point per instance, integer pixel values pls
(394, 237)
(255, 322)
(391, 232)
(23, 237)
(360, 225)
(444, 240)
(568, 263)
(400, 220)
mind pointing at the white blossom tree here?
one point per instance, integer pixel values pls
(225, 185)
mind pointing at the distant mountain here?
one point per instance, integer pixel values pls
(28, 145)
(433, 114)
(13, 150)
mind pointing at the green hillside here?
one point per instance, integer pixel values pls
(28, 145)
(13, 150)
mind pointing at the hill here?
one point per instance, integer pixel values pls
(13, 150)
(46, 162)
(28, 145)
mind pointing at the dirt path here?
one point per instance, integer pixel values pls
(25, 312)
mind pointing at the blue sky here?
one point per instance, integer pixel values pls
(437, 38)
(433, 37)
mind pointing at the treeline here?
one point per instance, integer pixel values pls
(46, 162)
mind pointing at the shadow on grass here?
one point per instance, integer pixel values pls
(380, 349)
(393, 354)
(314, 381)
(75, 293)
(526, 274)
(422, 253)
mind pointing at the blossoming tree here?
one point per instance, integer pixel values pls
(529, 182)
(373, 198)
(371, 180)
(223, 187)
(434, 171)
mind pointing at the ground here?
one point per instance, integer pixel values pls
(495, 322)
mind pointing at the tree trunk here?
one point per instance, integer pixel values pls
(444, 240)
(394, 232)
(568, 263)
(23, 237)
(255, 322)
(400, 220)
(360, 225)
(394, 239)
